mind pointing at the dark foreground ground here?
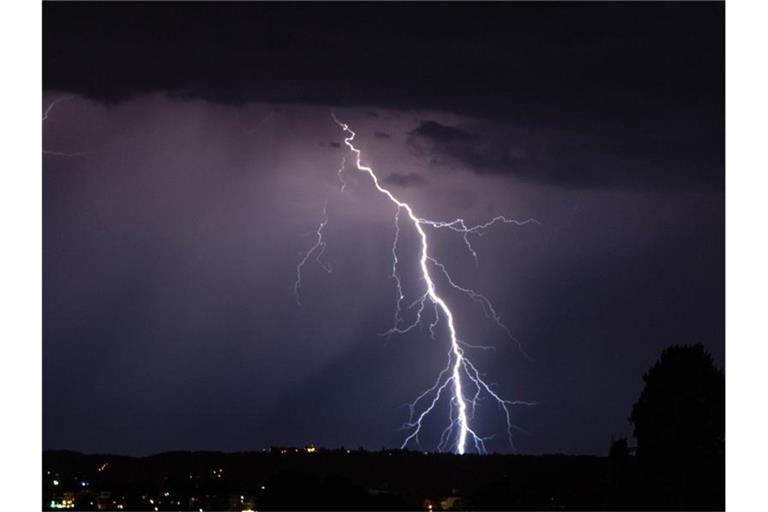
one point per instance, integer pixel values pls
(307, 479)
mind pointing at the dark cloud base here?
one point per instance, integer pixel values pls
(490, 58)
(594, 84)
(667, 156)
(410, 179)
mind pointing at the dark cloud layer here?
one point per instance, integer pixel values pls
(440, 133)
(640, 156)
(484, 57)
(637, 79)
(410, 179)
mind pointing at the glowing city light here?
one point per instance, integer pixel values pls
(63, 504)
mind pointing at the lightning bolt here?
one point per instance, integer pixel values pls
(319, 246)
(318, 249)
(53, 104)
(460, 378)
(46, 113)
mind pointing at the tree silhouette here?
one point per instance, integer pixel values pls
(679, 423)
(621, 471)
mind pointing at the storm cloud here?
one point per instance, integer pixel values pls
(643, 157)
(582, 95)
(170, 248)
(411, 179)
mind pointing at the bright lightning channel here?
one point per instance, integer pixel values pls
(460, 375)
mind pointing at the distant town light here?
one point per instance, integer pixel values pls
(65, 503)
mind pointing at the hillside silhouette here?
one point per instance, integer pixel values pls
(678, 463)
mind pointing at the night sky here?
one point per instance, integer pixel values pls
(204, 152)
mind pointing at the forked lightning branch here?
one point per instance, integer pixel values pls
(460, 383)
